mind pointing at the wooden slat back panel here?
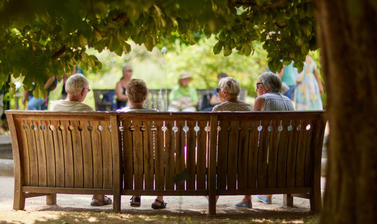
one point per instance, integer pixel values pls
(272, 150)
(65, 149)
(173, 150)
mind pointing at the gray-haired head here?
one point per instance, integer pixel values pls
(126, 68)
(75, 83)
(230, 85)
(270, 81)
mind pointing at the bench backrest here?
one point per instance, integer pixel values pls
(165, 153)
(169, 153)
(157, 98)
(263, 151)
(172, 153)
(68, 150)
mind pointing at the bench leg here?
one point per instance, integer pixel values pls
(19, 200)
(212, 205)
(315, 201)
(116, 203)
(288, 200)
(51, 199)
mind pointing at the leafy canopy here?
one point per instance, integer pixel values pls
(42, 38)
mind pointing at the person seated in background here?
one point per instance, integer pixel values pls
(121, 86)
(137, 93)
(34, 103)
(228, 91)
(212, 99)
(77, 87)
(269, 99)
(183, 97)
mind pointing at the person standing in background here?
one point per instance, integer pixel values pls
(309, 87)
(288, 76)
(120, 88)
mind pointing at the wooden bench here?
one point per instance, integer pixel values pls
(185, 154)
(157, 98)
(70, 153)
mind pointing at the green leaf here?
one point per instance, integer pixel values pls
(217, 48)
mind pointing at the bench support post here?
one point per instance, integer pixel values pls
(212, 165)
(288, 200)
(51, 199)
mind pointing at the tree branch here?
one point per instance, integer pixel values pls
(59, 53)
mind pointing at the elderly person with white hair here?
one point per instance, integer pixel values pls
(269, 99)
(228, 90)
(77, 87)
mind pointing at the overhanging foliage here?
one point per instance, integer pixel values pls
(42, 38)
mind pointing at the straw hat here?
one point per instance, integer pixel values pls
(185, 75)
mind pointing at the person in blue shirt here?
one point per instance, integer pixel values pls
(288, 76)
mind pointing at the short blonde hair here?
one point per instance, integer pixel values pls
(75, 83)
(137, 91)
(230, 85)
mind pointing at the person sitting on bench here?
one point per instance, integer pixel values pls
(77, 87)
(137, 93)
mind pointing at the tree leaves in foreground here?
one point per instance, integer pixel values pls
(42, 38)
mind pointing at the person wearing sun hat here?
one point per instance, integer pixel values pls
(183, 97)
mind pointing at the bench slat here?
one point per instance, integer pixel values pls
(42, 163)
(191, 162)
(202, 156)
(138, 155)
(87, 153)
(292, 154)
(108, 151)
(180, 156)
(160, 158)
(252, 171)
(50, 154)
(283, 148)
(243, 154)
(97, 155)
(59, 155)
(128, 165)
(262, 155)
(77, 155)
(300, 157)
(68, 154)
(25, 151)
(222, 163)
(272, 153)
(170, 151)
(148, 155)
(309, 154)
(233, 155)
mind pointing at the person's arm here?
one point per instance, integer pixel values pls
(259, 103)
(24, 97)
(49, 82)
(281, 72)
(316, 74)
(119, 92)
(214, 100)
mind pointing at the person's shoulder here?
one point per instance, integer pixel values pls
(86, 107)
(218, 107)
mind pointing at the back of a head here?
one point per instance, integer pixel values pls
(271, 81)
(137, 90)
(75, 83)
(221, 75)
(230, 85)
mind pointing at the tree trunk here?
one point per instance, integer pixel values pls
(348, 43)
